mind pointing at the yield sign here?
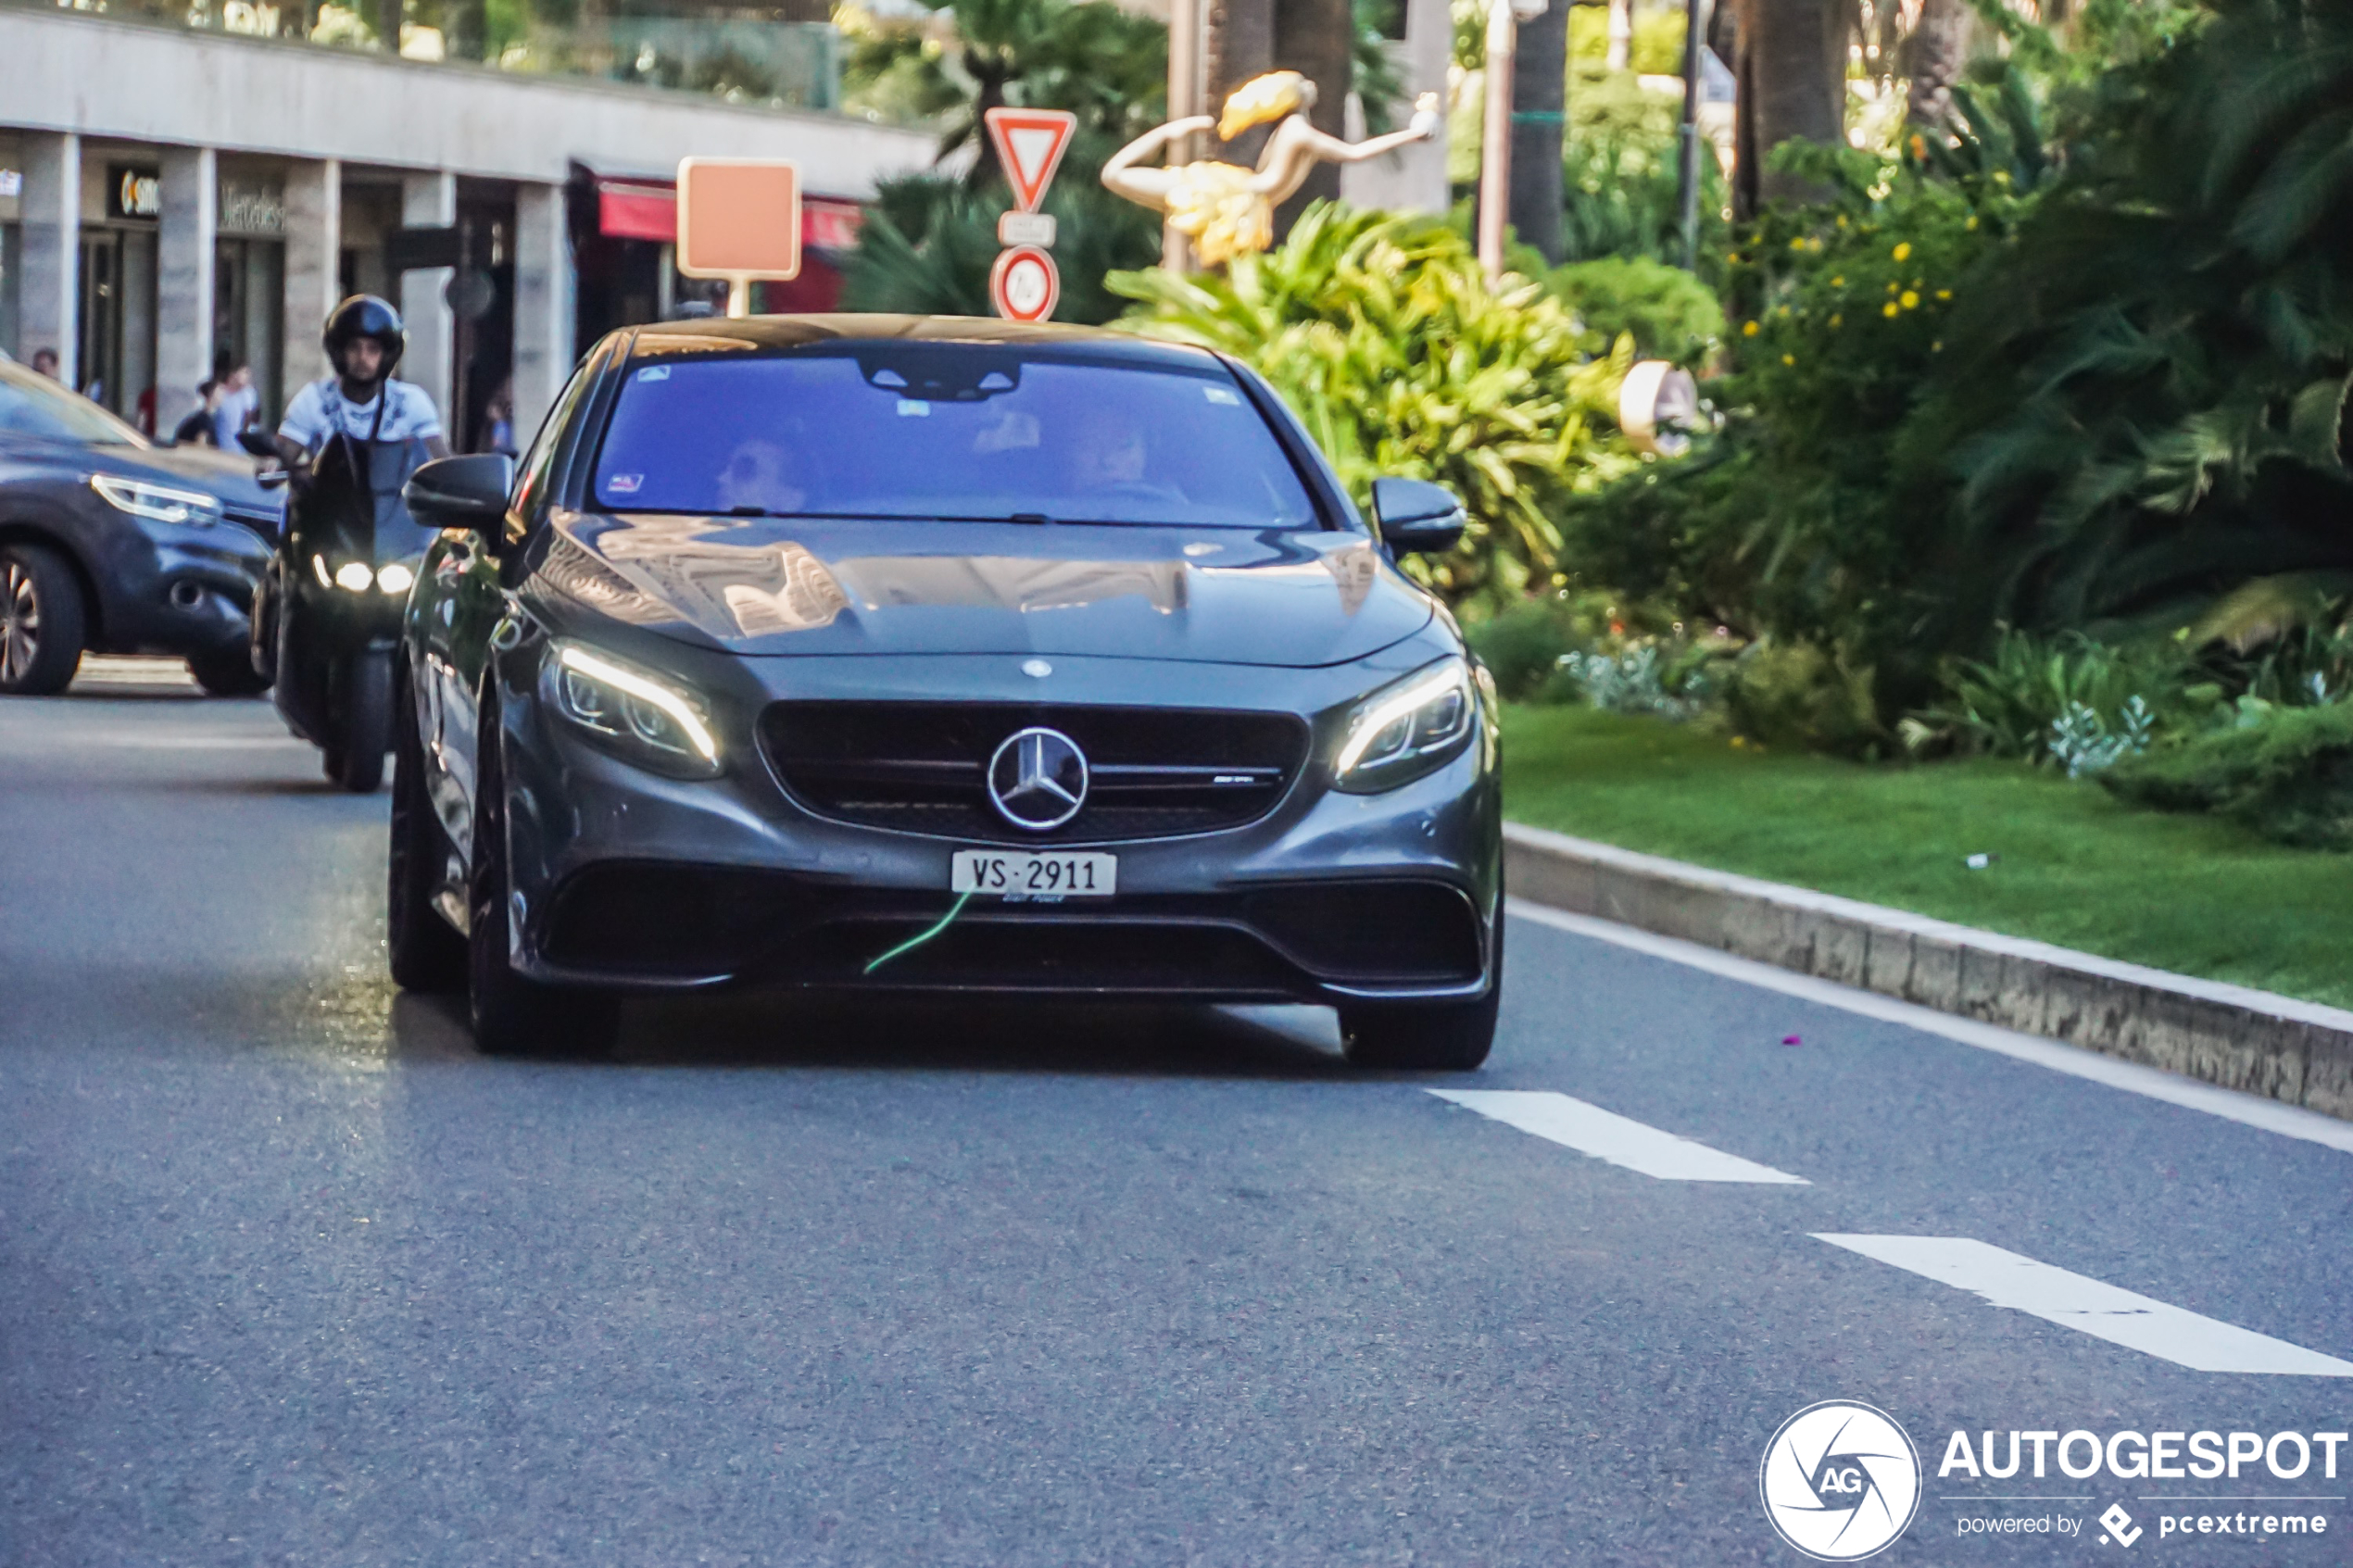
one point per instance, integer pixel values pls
(1030, 144)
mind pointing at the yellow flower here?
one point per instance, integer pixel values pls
(1888, 310)
(1937, 347)
(1798, 244)
(1739, 741)
(1909, 300)
(1784, 310)
(1838, 282)
(1904, 250)
(1841, 221)
(1789, 359)
(1972, 221)
(1892, 287)
(1944, 294)
(1838, 321)
(1749, 330)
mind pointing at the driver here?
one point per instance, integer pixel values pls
(1107, 454)
(363, 339)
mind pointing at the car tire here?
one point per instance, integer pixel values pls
(228, 672)
(512, 1014)
(1426, 1038)
(427, 953)
(42, 621)
(357, 762)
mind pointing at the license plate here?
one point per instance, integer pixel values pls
(1020, 873)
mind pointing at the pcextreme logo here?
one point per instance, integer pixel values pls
(1840, 1480)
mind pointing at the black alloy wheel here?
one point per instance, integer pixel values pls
(427, 952)
(1441, 1037)
(514, 1015)
(41, 621)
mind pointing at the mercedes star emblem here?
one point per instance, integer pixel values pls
(1038, 779)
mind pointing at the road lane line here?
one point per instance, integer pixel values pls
(2153, 1083)
(2091, 1306)
(1620, 1140)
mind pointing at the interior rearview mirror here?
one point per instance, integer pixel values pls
(1416, 517)
(469, 492)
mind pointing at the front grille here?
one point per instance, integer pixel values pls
(921, 767)
(650, 920)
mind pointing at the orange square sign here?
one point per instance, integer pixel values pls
(738, 218)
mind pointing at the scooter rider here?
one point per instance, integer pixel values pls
(364, 339)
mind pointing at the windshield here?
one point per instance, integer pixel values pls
(31, 404)
(946, 430)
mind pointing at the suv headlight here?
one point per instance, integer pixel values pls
(1407, 729)
(157, 501)
(647, 718)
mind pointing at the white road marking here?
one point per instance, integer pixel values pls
(1620, 1140)
(2104, 1312)
(2250, 1111)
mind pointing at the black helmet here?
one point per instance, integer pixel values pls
(363, 315)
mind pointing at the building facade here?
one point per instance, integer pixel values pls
(169, 199)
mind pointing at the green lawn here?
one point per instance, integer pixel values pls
(2186, 894)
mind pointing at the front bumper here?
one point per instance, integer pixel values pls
(625, 878)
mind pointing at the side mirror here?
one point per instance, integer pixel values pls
(1416, 517)
(468, 491)
(258, 443)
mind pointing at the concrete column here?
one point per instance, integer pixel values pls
(184, 280)
(49, 290)
(314, 265)
(544, 307)
(428, 201)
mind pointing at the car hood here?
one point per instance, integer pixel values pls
(775, 586)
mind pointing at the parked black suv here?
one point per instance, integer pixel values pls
(109, 544)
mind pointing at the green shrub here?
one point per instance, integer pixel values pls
(1670, 314)
(2289, 776)
(2007, 706)
(1383, 334)
(1802, 695)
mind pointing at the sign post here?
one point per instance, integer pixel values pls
(1024, 284)
(738, 218)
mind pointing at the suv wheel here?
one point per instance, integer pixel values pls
(41, 621)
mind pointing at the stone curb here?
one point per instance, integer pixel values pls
(2238, 1037)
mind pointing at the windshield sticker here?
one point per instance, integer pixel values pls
(624, 483)
(654, 373)
(913, 408)
(1222, 395)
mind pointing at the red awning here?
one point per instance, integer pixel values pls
(647, 209)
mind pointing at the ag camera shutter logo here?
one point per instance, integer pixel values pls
(1841, 1481)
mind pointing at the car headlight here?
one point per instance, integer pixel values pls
(157, 501)
(1407, 729)
(643, 717)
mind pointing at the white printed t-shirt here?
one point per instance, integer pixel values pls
(320, 407)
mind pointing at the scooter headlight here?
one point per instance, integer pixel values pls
(396, 578)
(353, 577)
(645, 716)
(1407, 729)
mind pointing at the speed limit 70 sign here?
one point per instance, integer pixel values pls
(1023, 285)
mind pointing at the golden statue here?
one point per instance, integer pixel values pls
(1224, 209)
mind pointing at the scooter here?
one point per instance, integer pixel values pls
(327, 617)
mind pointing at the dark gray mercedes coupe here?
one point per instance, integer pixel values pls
(925, 654)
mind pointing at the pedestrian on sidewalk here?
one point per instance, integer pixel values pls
(240, 403)
(197, 429)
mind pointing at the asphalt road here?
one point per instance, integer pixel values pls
(289, 1275)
